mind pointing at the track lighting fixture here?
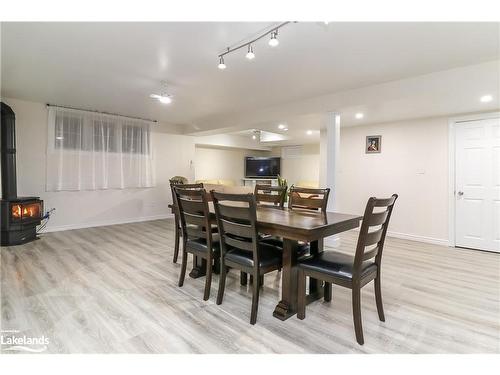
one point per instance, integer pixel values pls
(221, 66)
(273, 42)
(250, 55)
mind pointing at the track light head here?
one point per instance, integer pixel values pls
(273, 42)
(250, 55)
(221, 65)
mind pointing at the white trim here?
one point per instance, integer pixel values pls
(414, 237)
(105, 223)
(332, 241)
(452, 122)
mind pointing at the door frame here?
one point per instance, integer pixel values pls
(452, 123)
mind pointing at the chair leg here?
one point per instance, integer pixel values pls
(208, 280)
(255, 300)
(177, 240)
(328, 291)
(183, 266)
(261, 281)
(243, 278)
(378, 299)
(301, 302)
(356, 311)
(222, 282)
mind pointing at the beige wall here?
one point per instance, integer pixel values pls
(172, 155)
(302, 167)
(222, 163)
(413, 163)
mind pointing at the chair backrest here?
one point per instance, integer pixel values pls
(271, 195)
(237, 221)
(373, 230)
(194, 214)
(311, 199)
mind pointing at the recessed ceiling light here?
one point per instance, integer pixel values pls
(486, 98)
(254, 136)
(359, 115)
(281, 126)
(309, 132)
(285, 129)
(59, 138)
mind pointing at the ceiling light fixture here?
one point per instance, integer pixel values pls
(221, 65)
(256, 135)
(486, 98)
(163, 97)
(281, 126)
(273, 42)
(250, 55)
(309, 132)
(359, 115)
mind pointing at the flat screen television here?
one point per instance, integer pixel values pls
(262, 167)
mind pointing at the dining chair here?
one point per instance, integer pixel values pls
(356, 271)
(308, 198)
(240, 246)
(197, 234)
(303, 198)
(270, 195)
(176, 181)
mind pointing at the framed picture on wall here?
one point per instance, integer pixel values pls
(373, 144)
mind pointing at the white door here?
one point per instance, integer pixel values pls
(477, 184)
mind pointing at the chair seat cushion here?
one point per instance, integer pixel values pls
(270, 257)
(199, 245)
(336, 264)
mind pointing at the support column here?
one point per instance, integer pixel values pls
(329, 156)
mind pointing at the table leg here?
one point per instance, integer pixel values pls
(315, 290)
(287, 307)
(199, 267)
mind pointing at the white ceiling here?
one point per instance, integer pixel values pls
(114, 67)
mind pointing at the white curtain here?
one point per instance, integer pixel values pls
(91, 151)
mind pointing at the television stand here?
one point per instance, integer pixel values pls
(264, 181)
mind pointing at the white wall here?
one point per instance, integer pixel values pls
(172, 155)
(302, 167)
(413, 163)
(222, 163)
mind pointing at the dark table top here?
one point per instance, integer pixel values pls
(302, 225)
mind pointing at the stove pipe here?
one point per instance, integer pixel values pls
(8, 152)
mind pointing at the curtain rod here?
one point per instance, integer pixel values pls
(102, 113)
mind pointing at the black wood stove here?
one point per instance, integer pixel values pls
(19, 215)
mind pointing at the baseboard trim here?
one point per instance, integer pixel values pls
(332, 241)
(413, 237)
(60, 228)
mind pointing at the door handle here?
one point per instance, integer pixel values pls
(460, 193)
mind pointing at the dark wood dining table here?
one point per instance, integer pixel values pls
(294, 226)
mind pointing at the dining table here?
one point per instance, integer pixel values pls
(293, 226)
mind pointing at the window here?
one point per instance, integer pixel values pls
(88, 150)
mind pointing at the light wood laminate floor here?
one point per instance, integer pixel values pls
(114, 290)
